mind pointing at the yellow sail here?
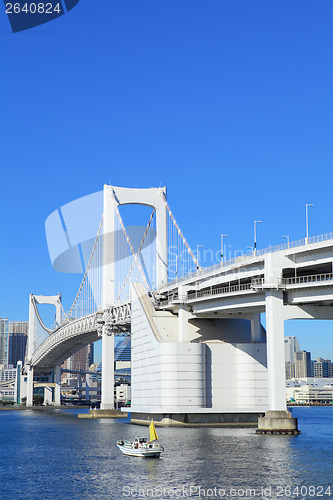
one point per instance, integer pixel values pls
(152, 432)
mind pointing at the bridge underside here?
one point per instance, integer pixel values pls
(64, 349)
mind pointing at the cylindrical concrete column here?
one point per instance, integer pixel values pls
(107, 386)
(57, 388)
(275, 350)
(30, 385)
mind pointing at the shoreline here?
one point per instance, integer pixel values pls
(43, 408)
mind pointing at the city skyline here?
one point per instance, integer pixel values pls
(229, 106)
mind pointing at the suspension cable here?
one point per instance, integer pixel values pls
(137, 254)
(87, 269)
(38, 316)
(180, 233)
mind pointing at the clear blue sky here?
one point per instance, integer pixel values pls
(226, 102)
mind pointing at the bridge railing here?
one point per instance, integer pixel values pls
(218, 291)
(257, 253)
(255, 284)
(308, 279)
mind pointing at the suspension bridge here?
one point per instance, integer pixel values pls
(199, 352)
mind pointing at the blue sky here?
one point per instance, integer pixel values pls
(226, 102)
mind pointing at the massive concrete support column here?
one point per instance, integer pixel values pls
(275, 350)
(107, 386)
(277, 420)
(57, 388)
(30, 385)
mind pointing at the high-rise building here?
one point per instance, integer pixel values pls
(290, 371)
(81, 360)
(4, 324)
(302, 364)
(291, 345)
(18, 335)
(322, 368)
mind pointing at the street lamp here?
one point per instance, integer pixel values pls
(287, 239)
(307, 205)
(255, 234)
(198, 256)
(222, 247)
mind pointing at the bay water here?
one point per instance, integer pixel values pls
(55, 455)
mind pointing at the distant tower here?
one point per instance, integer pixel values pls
(18, 334)
(291, 345)
(302, 364)
(322, 368)
(4, 342)
(82, 359)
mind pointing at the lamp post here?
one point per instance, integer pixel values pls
(222, 247)
(255, 235)
(307, 205)
(287, 239)
(198, 256)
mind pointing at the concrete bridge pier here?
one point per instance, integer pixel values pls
(107, 386)
(30, 385)
(277, 420)
(57, 385)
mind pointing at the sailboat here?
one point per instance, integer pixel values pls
(141, 446)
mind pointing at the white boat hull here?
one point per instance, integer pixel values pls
(152, 450)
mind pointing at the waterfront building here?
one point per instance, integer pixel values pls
(7, 384)
(302, 364)
(310, 394)
(17, 341)
(122, 394)
(4, 330)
